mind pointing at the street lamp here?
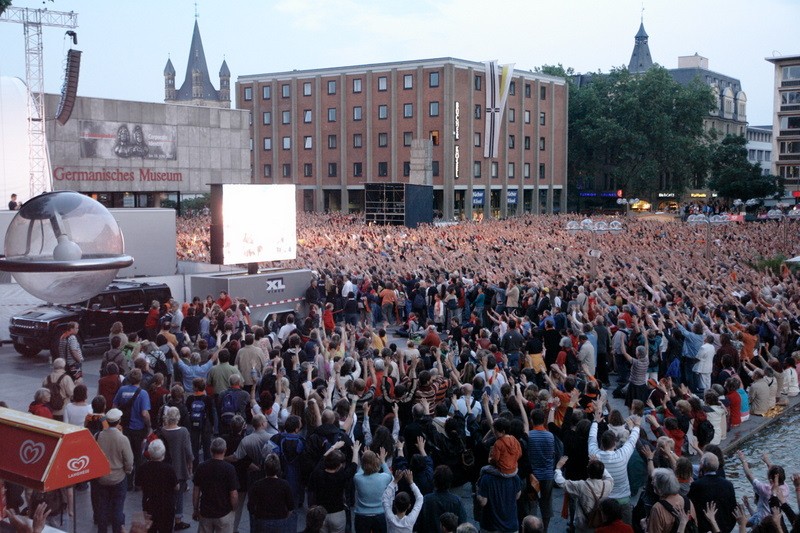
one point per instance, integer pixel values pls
(714, 220)
(587, 225)
(779, 215)
(627, 202)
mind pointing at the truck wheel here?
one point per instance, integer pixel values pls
(27, 351)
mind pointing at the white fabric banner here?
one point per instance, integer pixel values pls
(498, 82)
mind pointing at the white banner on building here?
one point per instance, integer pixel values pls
(498, 82)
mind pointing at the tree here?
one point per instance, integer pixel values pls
(644, 130)
(733, 176)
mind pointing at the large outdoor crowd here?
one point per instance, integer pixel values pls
(428, 363)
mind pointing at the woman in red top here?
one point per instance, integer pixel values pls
(151, 322)
(734, 401)
(40, 404)
(612, 518)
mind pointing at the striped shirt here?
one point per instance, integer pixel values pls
(541, 450)
(639, 371)
(615, 461)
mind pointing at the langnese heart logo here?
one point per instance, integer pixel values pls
(30, 452)
(78, 463)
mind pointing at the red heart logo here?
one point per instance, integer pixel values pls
(78, 463)
(30, 452)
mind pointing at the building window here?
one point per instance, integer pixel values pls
(307, 142)
(526, 171)
(541, 171)
(357, 170)
(511, 170)
(287, 170)
(477, 138)
(541, 143)
(512, 114)
(791, 73)
(527, 117)
(383, 169)
(332, 170)
(435, 167)
(435, 137)
(267, 143)
(286, 90)
(358, 141)
(494, 169)
(331, 114)
(287, 143)
(512, 88)
(433, 79)
(286, 117)
(251, 144)
(408, 110)
(307, 170)
(406, 168)
(407, 138)
(383, 112)
(266, 92)
(382, 85)
(434, 109)
(383, 139)
(357, 112)
(307, 116)
(477, 82)
(267, 118)
(307, 88)
(408, 81)
(248, 94)
(542, 93)
(527, 90)
(331, 141)
(527, 142)
(476, 169)
(542, 118)
(356, 85)
(331, 87)
(267, 171)
(250, 118)
(478, 111)
(512, 141)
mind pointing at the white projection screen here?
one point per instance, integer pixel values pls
(258, 223)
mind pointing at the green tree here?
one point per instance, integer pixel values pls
(733, 176)
(640, 129)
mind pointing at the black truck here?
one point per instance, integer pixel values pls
(127, 302)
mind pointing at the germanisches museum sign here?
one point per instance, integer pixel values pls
(115, 174)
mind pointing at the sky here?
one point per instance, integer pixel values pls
(126, 44)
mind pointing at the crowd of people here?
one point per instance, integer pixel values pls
(476, 358)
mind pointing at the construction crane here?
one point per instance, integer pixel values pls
(32, 21)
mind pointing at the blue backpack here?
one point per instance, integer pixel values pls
(197, 414)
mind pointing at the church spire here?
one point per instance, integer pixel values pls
(640, 58)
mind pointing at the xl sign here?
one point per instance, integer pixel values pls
(457, 120)
(275, 285)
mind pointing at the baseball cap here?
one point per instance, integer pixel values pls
(113, 415)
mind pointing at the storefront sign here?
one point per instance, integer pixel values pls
(457, 120)
(512, 196)
(698, 195)
(666, 195)
(115, 174)
(478, 196)
(121, 140)
(457, 156)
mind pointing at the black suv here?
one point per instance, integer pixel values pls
(127, 302)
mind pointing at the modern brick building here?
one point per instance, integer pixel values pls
(331, 130)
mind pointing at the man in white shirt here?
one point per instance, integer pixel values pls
(705, 362)
(348, 287)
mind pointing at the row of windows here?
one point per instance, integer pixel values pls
(383, 85)
(383, 114)
(383, 170)
(383, 141)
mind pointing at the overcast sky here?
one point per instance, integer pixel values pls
(125, 44)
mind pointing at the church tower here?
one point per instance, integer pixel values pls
(197, 88)
(640, 58)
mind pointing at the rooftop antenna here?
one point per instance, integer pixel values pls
(196, 13)
(642, 16)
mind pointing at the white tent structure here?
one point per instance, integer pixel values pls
(14, 147)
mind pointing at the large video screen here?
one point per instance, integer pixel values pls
(258, 223)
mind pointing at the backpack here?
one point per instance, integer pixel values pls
(705, 432)
(419, 301)
(229, 409)
(197, 413)
(653, 357)
(158, 364)
(594, 518)
(691, 526)
(94, 422)
(127, 407)
(56, 400)
(289, 455)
